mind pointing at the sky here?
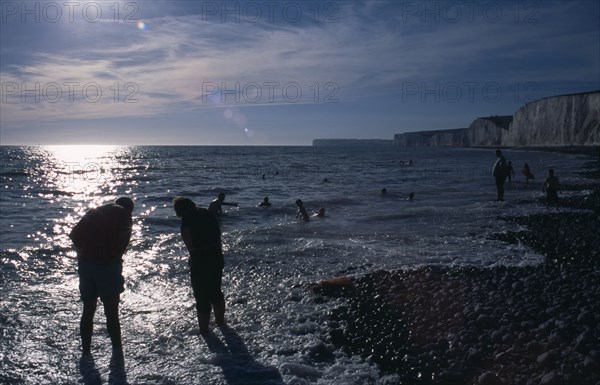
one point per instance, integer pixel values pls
(281, 72)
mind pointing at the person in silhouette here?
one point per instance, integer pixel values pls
(201, 235)
(265, 203)
(215, 205)
(301, 214)
(528, 174)
(410, 197)
(551, 187)
(510, 173)
(100, 239)
(320, 213)
(499, 173)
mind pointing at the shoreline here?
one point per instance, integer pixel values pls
(487, 326)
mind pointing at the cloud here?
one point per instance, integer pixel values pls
(183, 63)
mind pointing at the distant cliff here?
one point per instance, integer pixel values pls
(488, 131)
(567, 120)
(450, 138)
(351, 142)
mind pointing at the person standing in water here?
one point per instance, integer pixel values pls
(302, 214)
(510, 173)
(551, 187)
(499, 173)
(215, 205)
(528, 175)
(201, 234)
(100, 239)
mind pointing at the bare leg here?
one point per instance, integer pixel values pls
(111, 309)
(219, 309)
(203, 319)
(86, 326)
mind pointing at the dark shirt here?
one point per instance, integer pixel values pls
(103, 233)
(551, 184)
(499, 170)
(205, 232)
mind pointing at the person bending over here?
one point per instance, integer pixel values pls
(201, 234)
(100, 239)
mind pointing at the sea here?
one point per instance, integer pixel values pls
(277, 329)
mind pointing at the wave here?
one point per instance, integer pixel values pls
(15, 173)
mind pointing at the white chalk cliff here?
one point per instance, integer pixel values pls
(567, 120)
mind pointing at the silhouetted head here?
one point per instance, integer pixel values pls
(183, 206)
(298, 202)
(266, 200)
(125, 202)
(411, 196)
(551, 171)
(498, 153)
(322, 212)
(384, 190)
(221, 196)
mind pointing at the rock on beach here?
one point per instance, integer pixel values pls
(435, 325)
(504, 325)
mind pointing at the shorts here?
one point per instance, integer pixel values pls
(100, 279)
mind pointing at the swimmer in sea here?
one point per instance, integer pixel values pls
(411, 196)
(383, 191)
(320, 213)
(215, 206)
(302, 214)
(265, 203)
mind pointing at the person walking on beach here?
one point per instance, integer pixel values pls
(551, 187)
(499, 173)
(100, 239)
(201, 235)
(215, 205)
(301, 214)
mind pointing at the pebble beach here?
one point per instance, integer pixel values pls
(525, 325)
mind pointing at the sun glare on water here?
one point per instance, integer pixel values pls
(81, 154)
(83, 170)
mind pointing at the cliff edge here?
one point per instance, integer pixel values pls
(566, 120)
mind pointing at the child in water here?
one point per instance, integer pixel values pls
(551, 187)
(528, 175)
